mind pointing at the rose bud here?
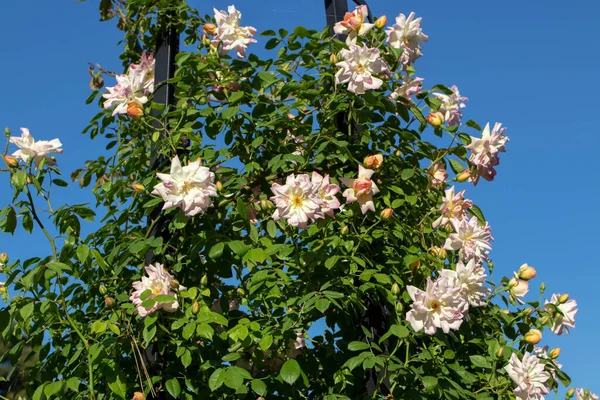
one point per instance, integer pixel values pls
(380, 22)
(135, 110)
(533, 336)
(526, 272)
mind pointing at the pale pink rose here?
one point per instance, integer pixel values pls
(529, 377)
(188, 187)
(451, 106)
(30, 149)
(518, 288)
(146, 69)
(582, 394)
(361, 189)
(471, 239)
(353, 25)
(359, 67)
(158, 282)
(298, 201)
(230, 34)
(406, 34)
(131, 88)
(327, 191)
(563, 322)
(454, 206)
(484, 151)
(470, 279)
(410, 87)
(440, 306)
(438, 174)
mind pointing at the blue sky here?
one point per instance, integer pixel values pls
(515, 60)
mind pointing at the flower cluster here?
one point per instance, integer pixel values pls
(188, 187)
(484, 151)
(158, 282)
(406, 34)
(359, 67)
(29, 149)
(454, 206)
(471, 239)
(301, 199)
(229, 34)
(437, 174)
(451, 106)
(132, 89)
(440, 305)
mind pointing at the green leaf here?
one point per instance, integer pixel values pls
(257, 255)
(267, 79)
(476, 211)
(480, 361)
(11, 221)
(322, 304)
(266, 342)
(216, 379)
(330, 262)
(406, 174)
(53, 388)
(73, 384)
(271, 228)
(216, 251)
(189, 330)
(357, 346)
(234, 378)
(27, 310)
(238, 247)
(230, 112)
(473, 125)
(399, 331)
(173, 387)
(83, 252)
(205, 331)
(259, 387)
(18, 180)
(180, 220)
(290, 371)
(456, 166)
(28, 222)
(186, 358)
(117, 385)
(234, 97)
(430, 383)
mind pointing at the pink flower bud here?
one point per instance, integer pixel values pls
(386, 213)
(3, 258)
(195, 307)
(333, 59)
(518, 287)
(380, 22)
(135, 110)
(563, 298)
(463, 176)
(533, 336)
(109, 302)
(11, 161)
(138, 188)
(139, 396)
(209, 29)
(373, 161)
(526, 272)
(554, 353)
(435, 119)
(219, 186)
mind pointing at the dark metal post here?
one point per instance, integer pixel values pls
(167, 47)
(375, 316)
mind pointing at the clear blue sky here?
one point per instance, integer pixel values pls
(515, 60)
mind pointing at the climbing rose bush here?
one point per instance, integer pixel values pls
(288, 227)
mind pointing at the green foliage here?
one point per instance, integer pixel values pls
(250, 284)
